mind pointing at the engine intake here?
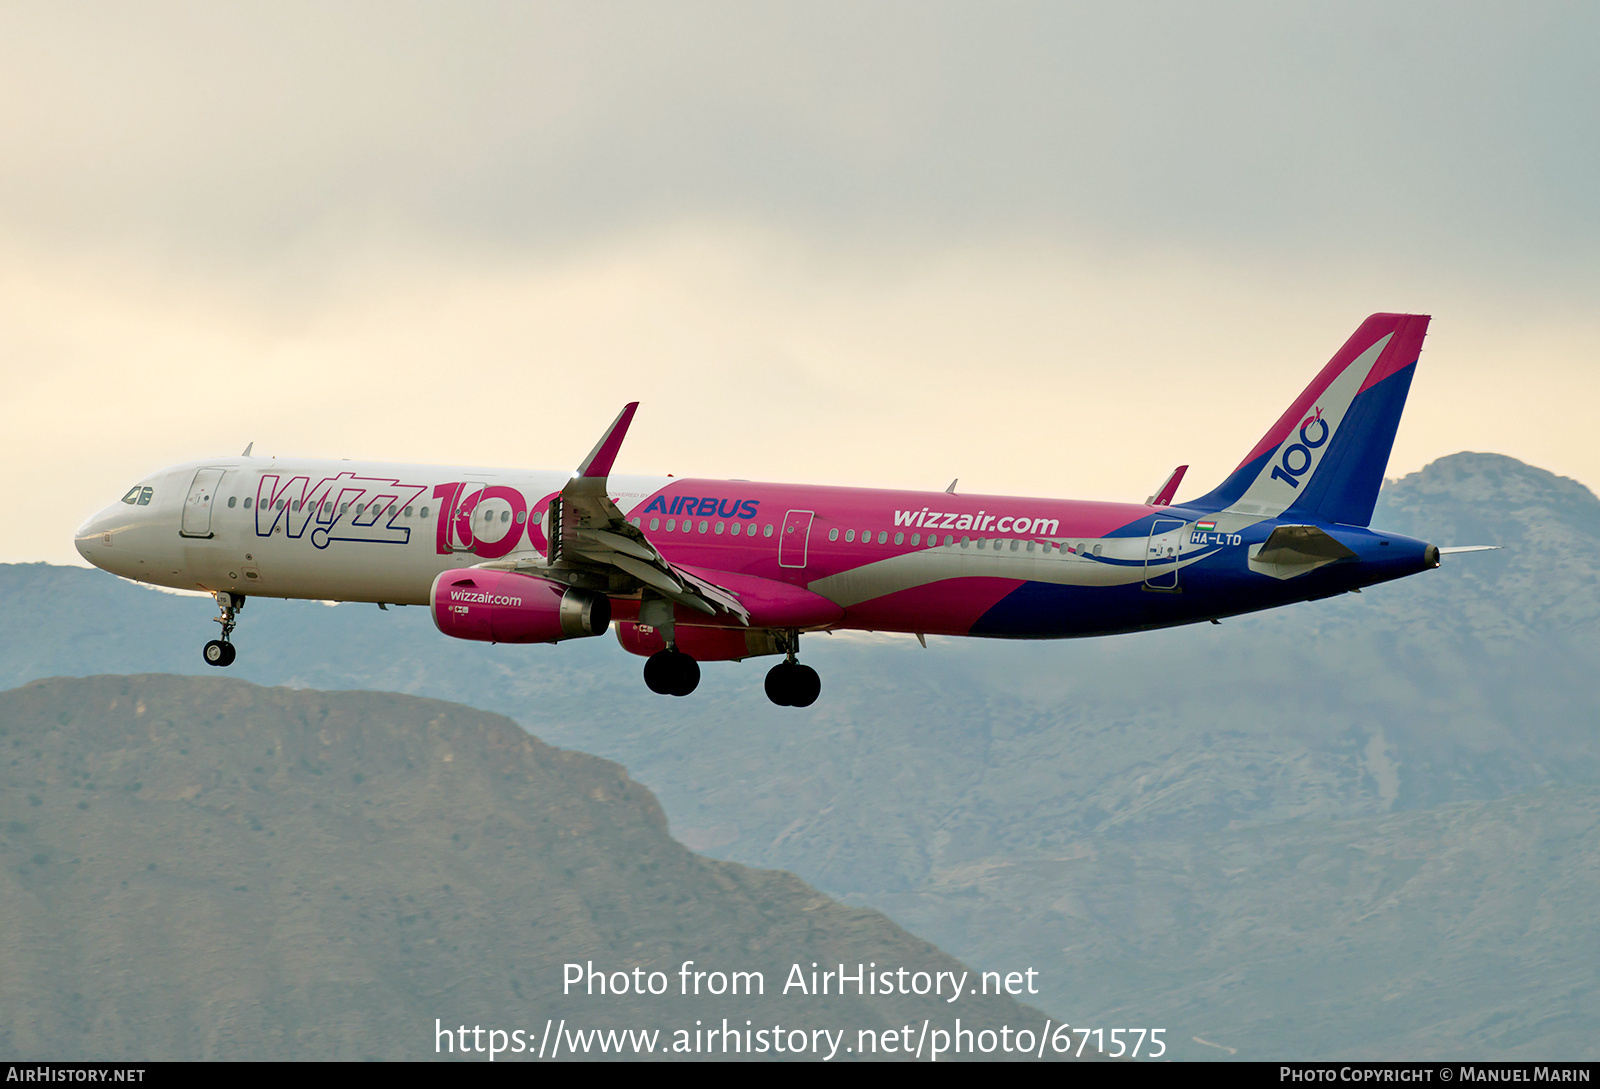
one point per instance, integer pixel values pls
(505, 607)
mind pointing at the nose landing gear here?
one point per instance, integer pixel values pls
(671, 672)
(790, 684)
(221, 652)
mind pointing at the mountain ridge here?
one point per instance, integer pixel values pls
(198, 868)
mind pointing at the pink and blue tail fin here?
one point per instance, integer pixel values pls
(1325, 457)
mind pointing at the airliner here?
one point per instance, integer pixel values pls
(693, 570)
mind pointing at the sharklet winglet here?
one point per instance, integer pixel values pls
(1163, 495)
(604, 454)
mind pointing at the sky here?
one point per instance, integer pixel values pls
(1050, 249)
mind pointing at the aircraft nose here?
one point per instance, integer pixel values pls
(92, 533)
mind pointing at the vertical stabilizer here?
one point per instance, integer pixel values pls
(1326, 455)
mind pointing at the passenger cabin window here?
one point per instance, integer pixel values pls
(833, 534)
(424, 512)
(247, 502)
(1097, 550)
(850, 535)
(232, 499)
(767, 532)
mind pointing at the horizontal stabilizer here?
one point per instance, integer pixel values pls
(1296, 550)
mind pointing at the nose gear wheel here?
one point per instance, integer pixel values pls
(221, 652)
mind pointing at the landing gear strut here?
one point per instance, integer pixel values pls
(790, 684)
(220, 652)
(671, 672)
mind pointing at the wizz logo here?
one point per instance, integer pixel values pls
(338, 508)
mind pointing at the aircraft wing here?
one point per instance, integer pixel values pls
(593, 544)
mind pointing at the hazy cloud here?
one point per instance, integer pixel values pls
(1052, 249)
(1333, 130)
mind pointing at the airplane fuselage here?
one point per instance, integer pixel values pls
(924, 562)
(696, 570)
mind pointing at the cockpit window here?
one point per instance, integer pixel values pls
(138, 495)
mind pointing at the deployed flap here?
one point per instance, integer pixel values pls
(774, 604)
(595, 546)
(1296, 550)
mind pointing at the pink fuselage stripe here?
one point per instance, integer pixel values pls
(945, 606)
(950, 607)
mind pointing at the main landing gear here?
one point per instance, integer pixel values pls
(790, 684)
(671, 672)
(220, 652)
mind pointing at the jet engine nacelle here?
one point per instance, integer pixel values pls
(504, 607)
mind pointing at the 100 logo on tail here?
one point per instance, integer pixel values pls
(1297, 458)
